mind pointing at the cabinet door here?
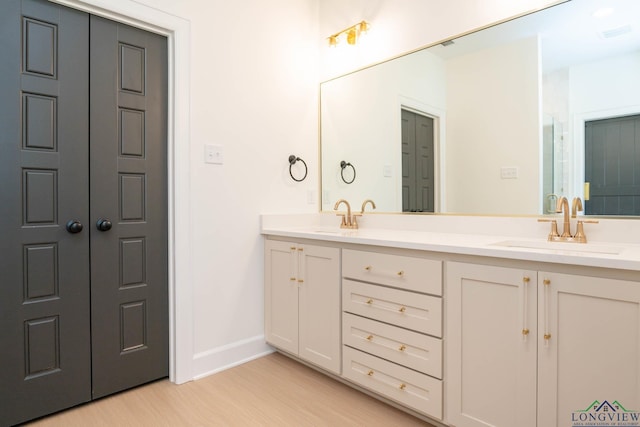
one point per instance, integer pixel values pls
(319, 306)
(281, 295)
(491, 369)
(592, 350)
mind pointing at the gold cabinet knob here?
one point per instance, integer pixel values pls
(292, 278)
(370, 373)
(293, 248)
(402, 347)
(526, 279)
(546, 282)
(402, 309)
(369, 301)
(402, 386)
(547, 336)
(400, 273)
(368, 268)
(525, 332)
(300, 281)
(370, 337)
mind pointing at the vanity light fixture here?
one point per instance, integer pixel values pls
(351, 34)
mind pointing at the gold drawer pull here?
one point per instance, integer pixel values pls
(370, 373)
(293, 278)
(369, 301)
(402, 309)
(547, 337)
(300, 249)
(300, 281)
(402, 347)
(525, 332)
(402, 386)
(293, 248)
(370, 337)
(400, 273)
(368, 268)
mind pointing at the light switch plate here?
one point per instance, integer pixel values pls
(509, 172)
(214, 154)
(311, 197)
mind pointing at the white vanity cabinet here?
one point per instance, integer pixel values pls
(392, 327)
(302, 301)
(532, 348)
(593, 348)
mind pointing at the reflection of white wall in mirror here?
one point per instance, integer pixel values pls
(598, 90)
(362, 126)
(493, 96)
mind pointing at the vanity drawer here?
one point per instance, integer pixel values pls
(416, 274)
(410, 388)
(411, 349)
(422, 313)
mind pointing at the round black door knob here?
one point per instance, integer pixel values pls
(104, 225)
(74, 226)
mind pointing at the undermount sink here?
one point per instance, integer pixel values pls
(560, 246)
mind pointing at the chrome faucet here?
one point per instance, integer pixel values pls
(347, 220)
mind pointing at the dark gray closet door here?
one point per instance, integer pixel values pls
(44, 269)
(417, 162)
(129, 295)
(612, 166)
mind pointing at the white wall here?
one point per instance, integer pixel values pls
(254, 90)
(493, 97)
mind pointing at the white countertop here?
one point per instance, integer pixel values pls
(614, 255)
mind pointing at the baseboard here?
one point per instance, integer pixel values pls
(218, 359)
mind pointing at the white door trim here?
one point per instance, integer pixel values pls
(178, 32)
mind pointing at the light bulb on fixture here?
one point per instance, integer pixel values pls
(363, 26)
(352, 36)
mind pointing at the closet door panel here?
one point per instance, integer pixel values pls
(44, 266)
(129, 259)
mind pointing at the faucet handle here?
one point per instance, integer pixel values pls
(354, 220)
(580, 237)
(554, 228)
(343, 223)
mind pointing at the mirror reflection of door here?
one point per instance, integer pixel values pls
(417, 162)
(612, 166)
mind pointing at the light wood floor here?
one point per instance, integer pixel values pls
(270, 391)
